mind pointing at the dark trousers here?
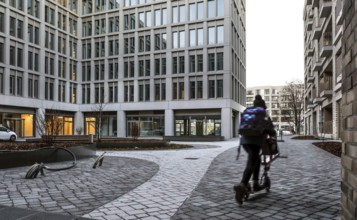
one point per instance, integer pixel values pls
(253, 163)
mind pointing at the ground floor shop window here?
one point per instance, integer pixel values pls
(145, 126)
(106, 126)
(59, 125)
(21, 124)
(197, 125)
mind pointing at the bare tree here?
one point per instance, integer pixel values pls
(98, 111)
(49, 124)
(292, 103)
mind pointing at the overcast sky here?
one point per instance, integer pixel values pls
(275, 42)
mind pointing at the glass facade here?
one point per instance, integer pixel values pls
(197, 125)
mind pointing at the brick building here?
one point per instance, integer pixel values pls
(349, 112)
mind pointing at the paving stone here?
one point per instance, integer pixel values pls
(130, 185)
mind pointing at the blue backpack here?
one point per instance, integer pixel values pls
(253, 121)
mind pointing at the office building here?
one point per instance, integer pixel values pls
(164, 68)
(275, 101)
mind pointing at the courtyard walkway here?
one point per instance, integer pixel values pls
(194, 183)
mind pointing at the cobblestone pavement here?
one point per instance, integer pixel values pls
(160, 197)
(182, 184)
(305, 185)
(76, 191)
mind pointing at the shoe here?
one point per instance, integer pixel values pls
(241, 191)
(256, 186)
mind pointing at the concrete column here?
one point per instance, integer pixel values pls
(169, 122)
(78, 122)
(121, 124)
(226, 123)
(40, 116)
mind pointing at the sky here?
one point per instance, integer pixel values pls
(275, 42)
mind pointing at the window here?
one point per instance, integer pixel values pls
(160, 90)
(113, 47)
(219, 61)
(32, 86)
(220, 34)
(192, 38)
(211, 8)
(113, 4)
(99, 92)
(175, 14)
(87, 7)
(100, 5)
(16, 28)
(128, 91)
(211, 62)
(86, 71)
(73, 93)
(178, 90)
(113, 24)
(192, 8)
(199, 63)
(200, 10)
(49, 15)
(1, 80)
(182, 13)
(144, 90)
(196, 88)
(182, 39)
(200, 36)
(33, 59)
(113, 69)
(219, 91)
(158, 17)
(61, 91)
(86, 93)
(33, 8)
(129, 21)
(113, 92)
(175, 40)
(181, 64)
(192, 63)
(49, 88)
(211, 88)
(211, 35)
(2, 22)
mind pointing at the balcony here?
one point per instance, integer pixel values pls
(325, 86)
(326, 7)
(317, 66)
(311, 79)
(309, 24)
(338, 83)
(338, 35)
(316, 34)
(326, 45)
(310, 52)
(315, 3)
(317, 100)
(338, 13)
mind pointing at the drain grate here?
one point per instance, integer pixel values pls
(191, 158)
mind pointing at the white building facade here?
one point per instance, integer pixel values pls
(273, 97)
(168, 68)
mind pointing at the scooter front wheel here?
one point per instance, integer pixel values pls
(267, 183)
